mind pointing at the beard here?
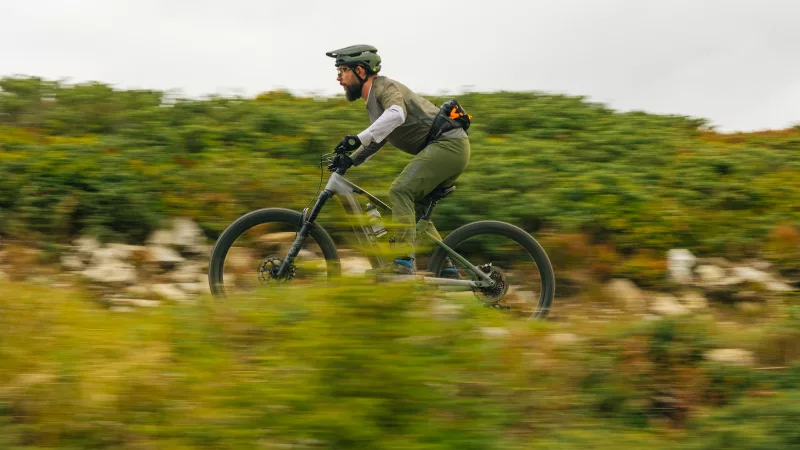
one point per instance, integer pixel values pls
(352, 91)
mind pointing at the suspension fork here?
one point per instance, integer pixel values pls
(307, 223)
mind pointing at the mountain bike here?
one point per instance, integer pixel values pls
(502, 264)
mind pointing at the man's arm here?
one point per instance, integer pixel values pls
(392, 117)
(365, 152)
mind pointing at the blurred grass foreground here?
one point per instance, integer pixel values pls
(631, 356)
(360, 365)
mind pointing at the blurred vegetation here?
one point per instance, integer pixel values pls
(374, 366)
(87, 158)
(366, 366)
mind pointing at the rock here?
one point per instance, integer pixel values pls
(195, 288)
(161, 238)
(627, 294)
(186, 234)
(121, 309)
(679, 265)
(494, 332)
(187, 272)
(86, 245)
(778, 286)
(751, 275)
(140, 303)
(710, 274)
(667, 305)
(694, 300)
(760, 264)
(355, 265)
(564, 338)
(111, 271)
(72, 263)
(240, 259)
(105, 255)
(721, 262)
(124, 251)
(164, 256)
(733, 356)
(170, 292)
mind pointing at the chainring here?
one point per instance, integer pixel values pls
(268, 270)
(491, 295)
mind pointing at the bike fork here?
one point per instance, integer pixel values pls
(307, 223)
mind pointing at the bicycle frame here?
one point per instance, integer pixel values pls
(347, 191)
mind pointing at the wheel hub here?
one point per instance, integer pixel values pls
(492, 294)
(268, 270)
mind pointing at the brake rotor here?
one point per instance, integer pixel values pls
(489, 296)
(268, 270)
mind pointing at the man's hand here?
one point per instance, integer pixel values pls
(341, 161)
(348, 144)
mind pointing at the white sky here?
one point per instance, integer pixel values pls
(734, 62)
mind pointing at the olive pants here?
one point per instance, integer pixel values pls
(438, 164)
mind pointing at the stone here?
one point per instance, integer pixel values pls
(710, 274)
(169, 292)
(355, 265)
(778, 286)
(141, 303)
(494, 332)
(667, 305)
(679, 265)
(186, 233)
(187, 272)
(694, 300)
(627, 294)
(111, 271)
(72, 262)
(734, 356)
(160, 238)
(749, 274)
(164, 256)
(86, 245)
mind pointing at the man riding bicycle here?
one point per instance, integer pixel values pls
(436, 137)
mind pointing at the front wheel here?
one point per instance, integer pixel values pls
(524, 277)
(248, 253)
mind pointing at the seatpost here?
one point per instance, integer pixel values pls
(429, 211)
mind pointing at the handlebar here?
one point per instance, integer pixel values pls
(334, 161)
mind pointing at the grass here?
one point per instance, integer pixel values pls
(360, 365)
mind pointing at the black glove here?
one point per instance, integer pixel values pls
(341, 161)
(348, 144)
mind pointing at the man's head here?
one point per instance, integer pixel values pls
(354, 66)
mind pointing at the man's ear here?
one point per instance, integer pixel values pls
(362, 71)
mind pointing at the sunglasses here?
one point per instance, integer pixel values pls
(341, 70)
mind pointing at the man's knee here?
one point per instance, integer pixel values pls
(401, 190)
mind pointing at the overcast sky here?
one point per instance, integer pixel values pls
(734, 62)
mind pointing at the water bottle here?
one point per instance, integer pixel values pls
(374, 219)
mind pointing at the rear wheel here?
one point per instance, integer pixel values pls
(248, 253)
(524, 277)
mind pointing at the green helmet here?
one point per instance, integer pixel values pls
(358, 55)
